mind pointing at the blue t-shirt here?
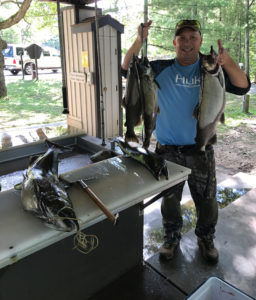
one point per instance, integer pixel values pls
(177, 98)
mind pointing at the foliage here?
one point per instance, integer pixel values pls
(53, 42)
(13, 17)
(234, 116)
(10, 35)
(41, 16)
(234, 107)
(220, 19)
(129, 13)
(31, 102)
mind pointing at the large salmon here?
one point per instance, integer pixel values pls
(210, 109)
(132, 102)
(140, 100)
(43, 195)
(149, 90)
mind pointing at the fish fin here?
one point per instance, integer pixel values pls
(123, 102)
(64, 183)
(18, 186)
(131, 137)
(213, 140)
(158, 110)
(140, 121)
(157, 84)
(221, 79)
(146, 144)
(165, 172)
(222, 118)
(196, 112)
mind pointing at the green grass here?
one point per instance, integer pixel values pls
(31, 103)
(234, 116)
(234, 107)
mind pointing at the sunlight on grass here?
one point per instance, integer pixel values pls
(32, 103)
(234, 116)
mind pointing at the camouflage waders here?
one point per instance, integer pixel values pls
(202, 185)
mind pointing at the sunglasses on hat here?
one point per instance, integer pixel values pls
(194, 24)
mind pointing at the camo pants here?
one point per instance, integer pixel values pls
(202, 185)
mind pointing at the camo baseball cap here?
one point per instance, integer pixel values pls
(193, 24)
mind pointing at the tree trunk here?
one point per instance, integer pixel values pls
(14, 19)
(145, 50)
(194, 11)
(3, 90)
(246, 38)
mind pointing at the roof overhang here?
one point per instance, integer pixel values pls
(72, 2)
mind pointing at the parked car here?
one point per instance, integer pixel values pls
(12, 58)
(49, 59)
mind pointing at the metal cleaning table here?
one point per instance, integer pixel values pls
(37, 262)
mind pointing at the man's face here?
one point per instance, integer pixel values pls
(187, 45)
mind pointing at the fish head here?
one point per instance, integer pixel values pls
(157, 164)
(49, 201)
(210, 62)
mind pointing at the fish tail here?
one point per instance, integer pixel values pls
(222, 118)
(146, 143)
(131, 137)
(165, 172)
(123, 102)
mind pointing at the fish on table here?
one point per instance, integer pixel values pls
(140, 100)
(152, 161)
(210, 109)
(45, 196)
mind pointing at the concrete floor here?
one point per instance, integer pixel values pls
(177, 279)
(152, 214)
(235, 240)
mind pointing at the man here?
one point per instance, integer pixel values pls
(175, 132)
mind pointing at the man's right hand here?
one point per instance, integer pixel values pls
(146, 27)
(135, 48)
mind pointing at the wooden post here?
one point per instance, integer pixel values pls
(246, 100)
(33, 71)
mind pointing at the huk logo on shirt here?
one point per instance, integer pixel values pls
(187, 82)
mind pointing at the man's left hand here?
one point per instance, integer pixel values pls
(235, 74)
(223, 55)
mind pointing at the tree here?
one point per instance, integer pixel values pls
(247, 36)
(231, 21)
(12, 20)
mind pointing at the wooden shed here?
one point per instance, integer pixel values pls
(86, 111)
